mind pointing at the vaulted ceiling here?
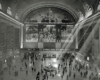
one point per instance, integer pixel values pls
(22, 7)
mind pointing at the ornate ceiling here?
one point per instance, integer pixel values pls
(23, 7)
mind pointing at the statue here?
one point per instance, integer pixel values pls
(98, 8)
(49, 17)
(88, 9)
(81, 16)
(9, 11)
(0, 5)
(16, 16)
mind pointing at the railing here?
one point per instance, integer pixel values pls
(85, 32)
(89, 38)
(92, 22)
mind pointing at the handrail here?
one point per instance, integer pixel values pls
(89, 37)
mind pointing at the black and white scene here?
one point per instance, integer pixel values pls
(49, 39)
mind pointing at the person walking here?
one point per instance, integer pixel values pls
(32, 70)
(74, 75)
(62, 77)
(33, 63)
(25, 65)
(81, 73)
(26, 72)
(47, 77)
(70, 74)
(67, 77)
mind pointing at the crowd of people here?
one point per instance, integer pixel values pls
(70, 67)
(67, 68)
(32, 57)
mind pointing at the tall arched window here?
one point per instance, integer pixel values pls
(9, 11)
(0, 5)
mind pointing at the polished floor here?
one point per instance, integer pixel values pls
(9, 74)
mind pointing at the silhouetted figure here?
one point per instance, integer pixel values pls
(41, 71)
(67, 77)
(74, 75)
(81, 73)
(26, 72)
(69, 74)
(25, 65)
(84, 74)
(38, 73)
(21, 69)
(16, 73)
(47, 77)
(32, 69)
(33, 62)
(62, 77)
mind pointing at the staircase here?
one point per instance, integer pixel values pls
(74, 33)
(89, 39)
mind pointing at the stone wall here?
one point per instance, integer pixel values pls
(9, 42)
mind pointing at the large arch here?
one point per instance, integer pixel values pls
(25, 12)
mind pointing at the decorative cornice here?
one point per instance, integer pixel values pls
(5, 16)
(48, 4)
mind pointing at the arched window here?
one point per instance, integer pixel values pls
(0, 5)
(16, 16)
(9, 11)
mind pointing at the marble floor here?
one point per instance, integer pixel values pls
(9, 74)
